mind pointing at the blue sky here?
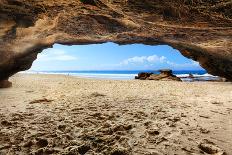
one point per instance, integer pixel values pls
(110, 56)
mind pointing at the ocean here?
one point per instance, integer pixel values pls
(200, 75)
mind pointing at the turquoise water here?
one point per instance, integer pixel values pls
(199, 72)
(128, 75)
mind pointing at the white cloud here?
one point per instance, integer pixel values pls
(135, 59)
(154, 60)
(190, 64)
(143, 59)
(55, 55)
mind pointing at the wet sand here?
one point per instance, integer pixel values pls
(57, 114)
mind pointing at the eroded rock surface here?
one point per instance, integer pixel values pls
(200, 29)
(5, 84)
(165, 75)
(143, 75)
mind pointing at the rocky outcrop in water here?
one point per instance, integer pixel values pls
(143, 75)
(165, 75)
(201, 30)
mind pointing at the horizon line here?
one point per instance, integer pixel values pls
(115, 70)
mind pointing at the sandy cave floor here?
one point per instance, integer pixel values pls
(57, 114)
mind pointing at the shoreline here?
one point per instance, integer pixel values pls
(63, 114)
(184, 77)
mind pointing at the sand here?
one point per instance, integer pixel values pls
(57, 114)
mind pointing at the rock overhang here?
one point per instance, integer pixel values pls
(200, 30)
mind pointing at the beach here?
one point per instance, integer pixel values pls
(60, 114)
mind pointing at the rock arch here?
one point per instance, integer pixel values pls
(200, 30)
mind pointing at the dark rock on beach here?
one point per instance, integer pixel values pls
(143, 75)
(5, 84)
(165, 75)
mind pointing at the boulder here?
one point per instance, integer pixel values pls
(143, 75)
(167, 72)
(165, 75)
(162, 78)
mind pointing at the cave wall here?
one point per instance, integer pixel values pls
(199, 29)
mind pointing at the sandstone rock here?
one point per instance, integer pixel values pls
(119, 151)
(90, 2)
(71, 150)
(167, 72)
(6, 123)
(42, 142)
(200, 30)
(165, 75)
(210, 148)
(28, 144)
(223, 80)
(5, 84)
(143, 76)
(38, 152)
(84, 148)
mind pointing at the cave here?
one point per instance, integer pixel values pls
(200, 30)
(56, 114)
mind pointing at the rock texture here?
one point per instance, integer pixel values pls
(143, 75)
(199, 29)
(165, 75)
(5, 84)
